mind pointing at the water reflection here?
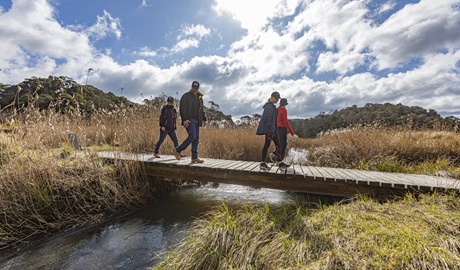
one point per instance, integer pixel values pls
(133, 241)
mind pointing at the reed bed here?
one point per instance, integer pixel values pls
(47, 185)
(391, 150)
(413, 233)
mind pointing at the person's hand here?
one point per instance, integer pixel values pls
(163, 128)
(186, 123)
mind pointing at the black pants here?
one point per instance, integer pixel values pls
(268, 141)
(283, 133)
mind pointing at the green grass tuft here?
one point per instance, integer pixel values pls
(412, 233)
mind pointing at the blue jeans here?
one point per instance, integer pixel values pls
(193, 138)
(172, 134)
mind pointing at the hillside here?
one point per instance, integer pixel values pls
(388, 115)
(64, 94)
(58, 92)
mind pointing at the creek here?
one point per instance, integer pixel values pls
(135, 240)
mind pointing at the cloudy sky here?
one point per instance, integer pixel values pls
(321, 55)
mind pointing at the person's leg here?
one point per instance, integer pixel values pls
(282, 132)
(160, 141)
(191, 130)
(268, 140)
(196, 140)
(276, 141)
(172, 134)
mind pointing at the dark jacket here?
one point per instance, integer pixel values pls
(191, 107)
(168, 117)
(267, 124)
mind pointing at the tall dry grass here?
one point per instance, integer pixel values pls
(47, 185)
(388, 149)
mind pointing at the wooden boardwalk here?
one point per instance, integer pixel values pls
(299, 178)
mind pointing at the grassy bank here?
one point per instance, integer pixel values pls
(411, 233)
(46, 185)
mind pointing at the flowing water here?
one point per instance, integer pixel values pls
(135, 240)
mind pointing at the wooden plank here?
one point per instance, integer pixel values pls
(327, 175)
(401, 179)
(307, 172)
(317, 173)
(298, 170)
(216, 163)
(378, 176)
(237, 165)
(341, 176)
(289, 171)
(415, 181)
(251, 166)
(273, 169)
(362, 176)
(162, 159)
(248, 173)
(390, 180)
(247, 166)
(226, 164)
(256, 168)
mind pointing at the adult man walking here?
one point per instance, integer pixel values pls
(192, 117)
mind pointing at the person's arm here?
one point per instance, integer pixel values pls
(286, 122)
(202, 111)
(269, 112)
(184, 109)
(163, 117)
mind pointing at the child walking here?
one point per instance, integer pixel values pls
(168, 117)
(267, 126)
(283, 127)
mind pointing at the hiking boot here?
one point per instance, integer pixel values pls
(283, 165)
(263, 166)
(197, 160)
(177, 154)
(155, 155)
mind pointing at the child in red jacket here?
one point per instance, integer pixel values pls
(283, 127)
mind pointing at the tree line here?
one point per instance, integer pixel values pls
(64, 94)
(385, 115)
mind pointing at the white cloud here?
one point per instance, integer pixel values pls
(33, 43)
(277, 53)
(145, 52)
(190, 36)
(416, 30)
(184, 44)
(199, 31)
(105, 26)
(387, 6)
(145, 3)
(255, 14)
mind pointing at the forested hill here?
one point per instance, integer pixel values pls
(387, 114)
(64, 94)
(60, 92)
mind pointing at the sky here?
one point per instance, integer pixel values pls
(321, 55)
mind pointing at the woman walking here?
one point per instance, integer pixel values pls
(267, 127)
